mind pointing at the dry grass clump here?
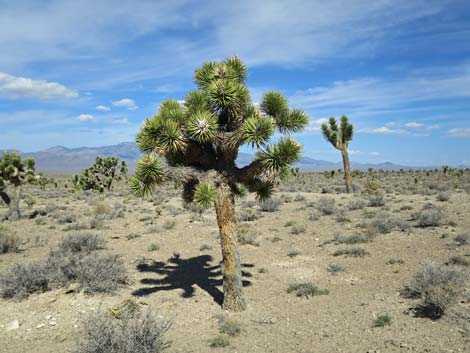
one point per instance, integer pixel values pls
(438, 288)
(306, 289)
(75, 260)
(134, 333)
(8, 242)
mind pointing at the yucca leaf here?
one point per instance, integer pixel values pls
(202, 127)
(257, 130)
(292, 121)
(196, 101)
(279, 156)
(274, 104)
(204, 197)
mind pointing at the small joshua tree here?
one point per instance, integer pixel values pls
(340, 137)
(100, 176)
(204, 135)
(14, 172)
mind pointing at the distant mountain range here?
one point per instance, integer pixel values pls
(63, 160)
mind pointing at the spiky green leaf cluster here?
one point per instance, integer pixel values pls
(101, 175)
(204, 196)
(206, 130)
(15, 170)
(341, 136)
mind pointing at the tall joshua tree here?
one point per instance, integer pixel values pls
(14, 172)
(100, 176)
(340, 137)
(203, 135)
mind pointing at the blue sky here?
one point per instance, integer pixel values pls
(87, 73)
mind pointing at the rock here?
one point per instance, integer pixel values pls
(52, 322)
(72, 288)
(41, 325)
(13, 325)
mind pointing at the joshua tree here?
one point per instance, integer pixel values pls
(203, 135)
(14, 172)
(340, 137)
(100, 176)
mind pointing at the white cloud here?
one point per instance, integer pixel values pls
(85, 117)
(122, 121)
(103, 108)
(354, 152)
(459, 132)
(21, 87)
(369, 94)
(383, 130)
(127, 103)
(375, 154)
(413, 125)
(315, 124)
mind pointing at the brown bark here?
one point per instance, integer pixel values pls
(232, 274)
(347, 170)
(13, 203)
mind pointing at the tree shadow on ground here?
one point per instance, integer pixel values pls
(185, 274)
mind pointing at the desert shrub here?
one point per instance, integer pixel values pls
(219, 341)
(353, 252)
(230, 327)
(458, 261)
(297, 229)
(352, 239)
(245, 237)
(8, 242)
(293, 253)
(169, 224)
(334, 268)
(383, 320)
(395, 262)
(376, 200)
(81, 242)
(299, 197)
(429, 216)
(95, 273)
(385, 222)
(438, 288)
(21, 280)
(326, 205)
(67, 218)
(406, 208)
(270, 205)
(247, 215)
(461, 239)
(153, 247)
(102, 210)
(137, 333)
(356, 205)
(342, 217)
(443, 196)
(372, 186)
(306, 289)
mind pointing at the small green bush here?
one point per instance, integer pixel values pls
(306, 289)
(383, 320)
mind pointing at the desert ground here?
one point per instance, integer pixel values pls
(361, 250)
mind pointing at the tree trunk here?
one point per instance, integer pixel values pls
(232, 274)
(347, 170)
(13, 203)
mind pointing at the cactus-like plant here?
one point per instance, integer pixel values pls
(340, 137)
(204, 134)
(14, 172)
(100, 176)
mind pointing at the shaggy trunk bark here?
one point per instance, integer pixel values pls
(13, 203)
(347, 170)
(232, 273)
